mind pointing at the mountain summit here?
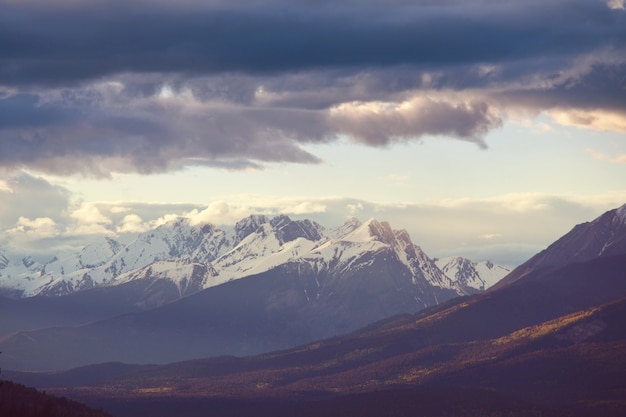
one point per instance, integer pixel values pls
(605, 236)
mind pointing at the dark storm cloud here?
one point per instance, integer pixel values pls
(154, 138)
(22, 110)
(602, 87)
(45, 44)
(148, 86)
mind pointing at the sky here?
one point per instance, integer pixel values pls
(486, 129)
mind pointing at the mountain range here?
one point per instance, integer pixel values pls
(549, 341)
(199, 256)
(185, 291)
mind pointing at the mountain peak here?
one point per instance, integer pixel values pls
(603, 236)
(381, 230)
(288, 230)
(349, 226)
(620, 214)
(249, 225)
(256, 244)
(367, 231)
(469, 274)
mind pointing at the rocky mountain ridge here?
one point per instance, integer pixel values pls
(198, 256)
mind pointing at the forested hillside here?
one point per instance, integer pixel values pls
(20, 401)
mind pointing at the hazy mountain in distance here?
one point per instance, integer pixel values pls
(477, 275)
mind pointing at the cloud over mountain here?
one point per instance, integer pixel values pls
(489, 228)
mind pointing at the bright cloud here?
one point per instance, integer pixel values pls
(88, 214)
(118, 209)
(39, 228)
(304, 207)
(132, 223)
(591, 119)
(87, 229)
(219, 212)
(354, 209)
(4, 187)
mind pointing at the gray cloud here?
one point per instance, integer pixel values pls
(147, 86)
(154, 134)
(48, 44)
(148, 137)
(380, 126)
(602, 86)
(20, 191)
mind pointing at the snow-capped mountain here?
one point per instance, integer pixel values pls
(285, 283)
(17, 272)
(198, 256)
(477, 275)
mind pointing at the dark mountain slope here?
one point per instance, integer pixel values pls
(604, 236)
(287, 306)
(574, 364)
(434, 336)
(84, 306)
(556, 340)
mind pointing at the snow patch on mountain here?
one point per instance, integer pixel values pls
(620, 215)
(345, 229)
(189, 277)
(258, 252)
(476, 275)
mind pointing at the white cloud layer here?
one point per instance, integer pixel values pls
(506, 228)
(89, 214)
(31, 229)
(591, 119)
